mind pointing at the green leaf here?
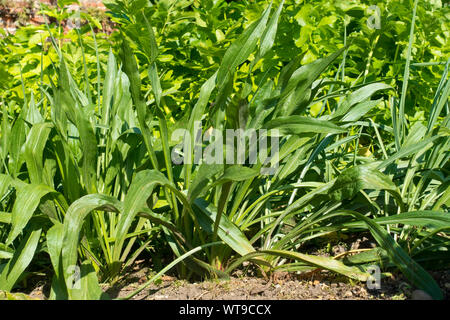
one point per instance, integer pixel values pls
(141, 189)
(301, 125)
(409, 150)
(151, 47)
(202, 178)
(55, 238)
(412, 271)
(238, 173)
(34, 148)
(71, 104)
(316, 261)
(73, 223)
(131, 69)
(425, 218)
(359, 110)
(357, 97)
(297, 91)
(20, 261)
(353, 180)
(227, 231)
(89, 288)
(240, 50)
(108, 87)
(268, 37)
(28, 199)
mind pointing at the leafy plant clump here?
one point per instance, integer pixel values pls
(88, 181)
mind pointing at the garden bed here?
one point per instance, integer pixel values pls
(118, 136)
(280, 286)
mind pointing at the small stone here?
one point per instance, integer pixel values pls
(420, 295)
(447, 285)
(334, 285)
(348, 294)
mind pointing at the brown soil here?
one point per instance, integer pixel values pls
(281, 286)
(246, 285)
(249, 288)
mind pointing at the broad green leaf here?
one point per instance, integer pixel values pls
(359, 110)
(227, 231)
(28, 199)
(5, 253)
(202, 179)
(416, 133)
(108, 87)
(34, 148)
(141, 189)
(80, 118)
(301, 125)
(5, 217)
(131, 69)
(21, 259)
(32, 114)
(16, 139)
(326, 263)
(411, 269)
(55, 237)
(73, 223)
(409, 150)
(268, 37)
(151, 47)
(240, 49)
(87, 287)
(425, 218)
(441, 98)
(238, 173)
(353, 180)
(297, 90)
(357, 97)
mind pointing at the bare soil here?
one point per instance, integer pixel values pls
(245, 284)
(319, 285)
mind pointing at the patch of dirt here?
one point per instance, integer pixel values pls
(282, 286)
(245, 284)
(315, 285)
(253, 289)
(321, 285)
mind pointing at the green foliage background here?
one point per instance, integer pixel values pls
(86, 174)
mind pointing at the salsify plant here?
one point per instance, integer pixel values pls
(91, 182)
(72, 153)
